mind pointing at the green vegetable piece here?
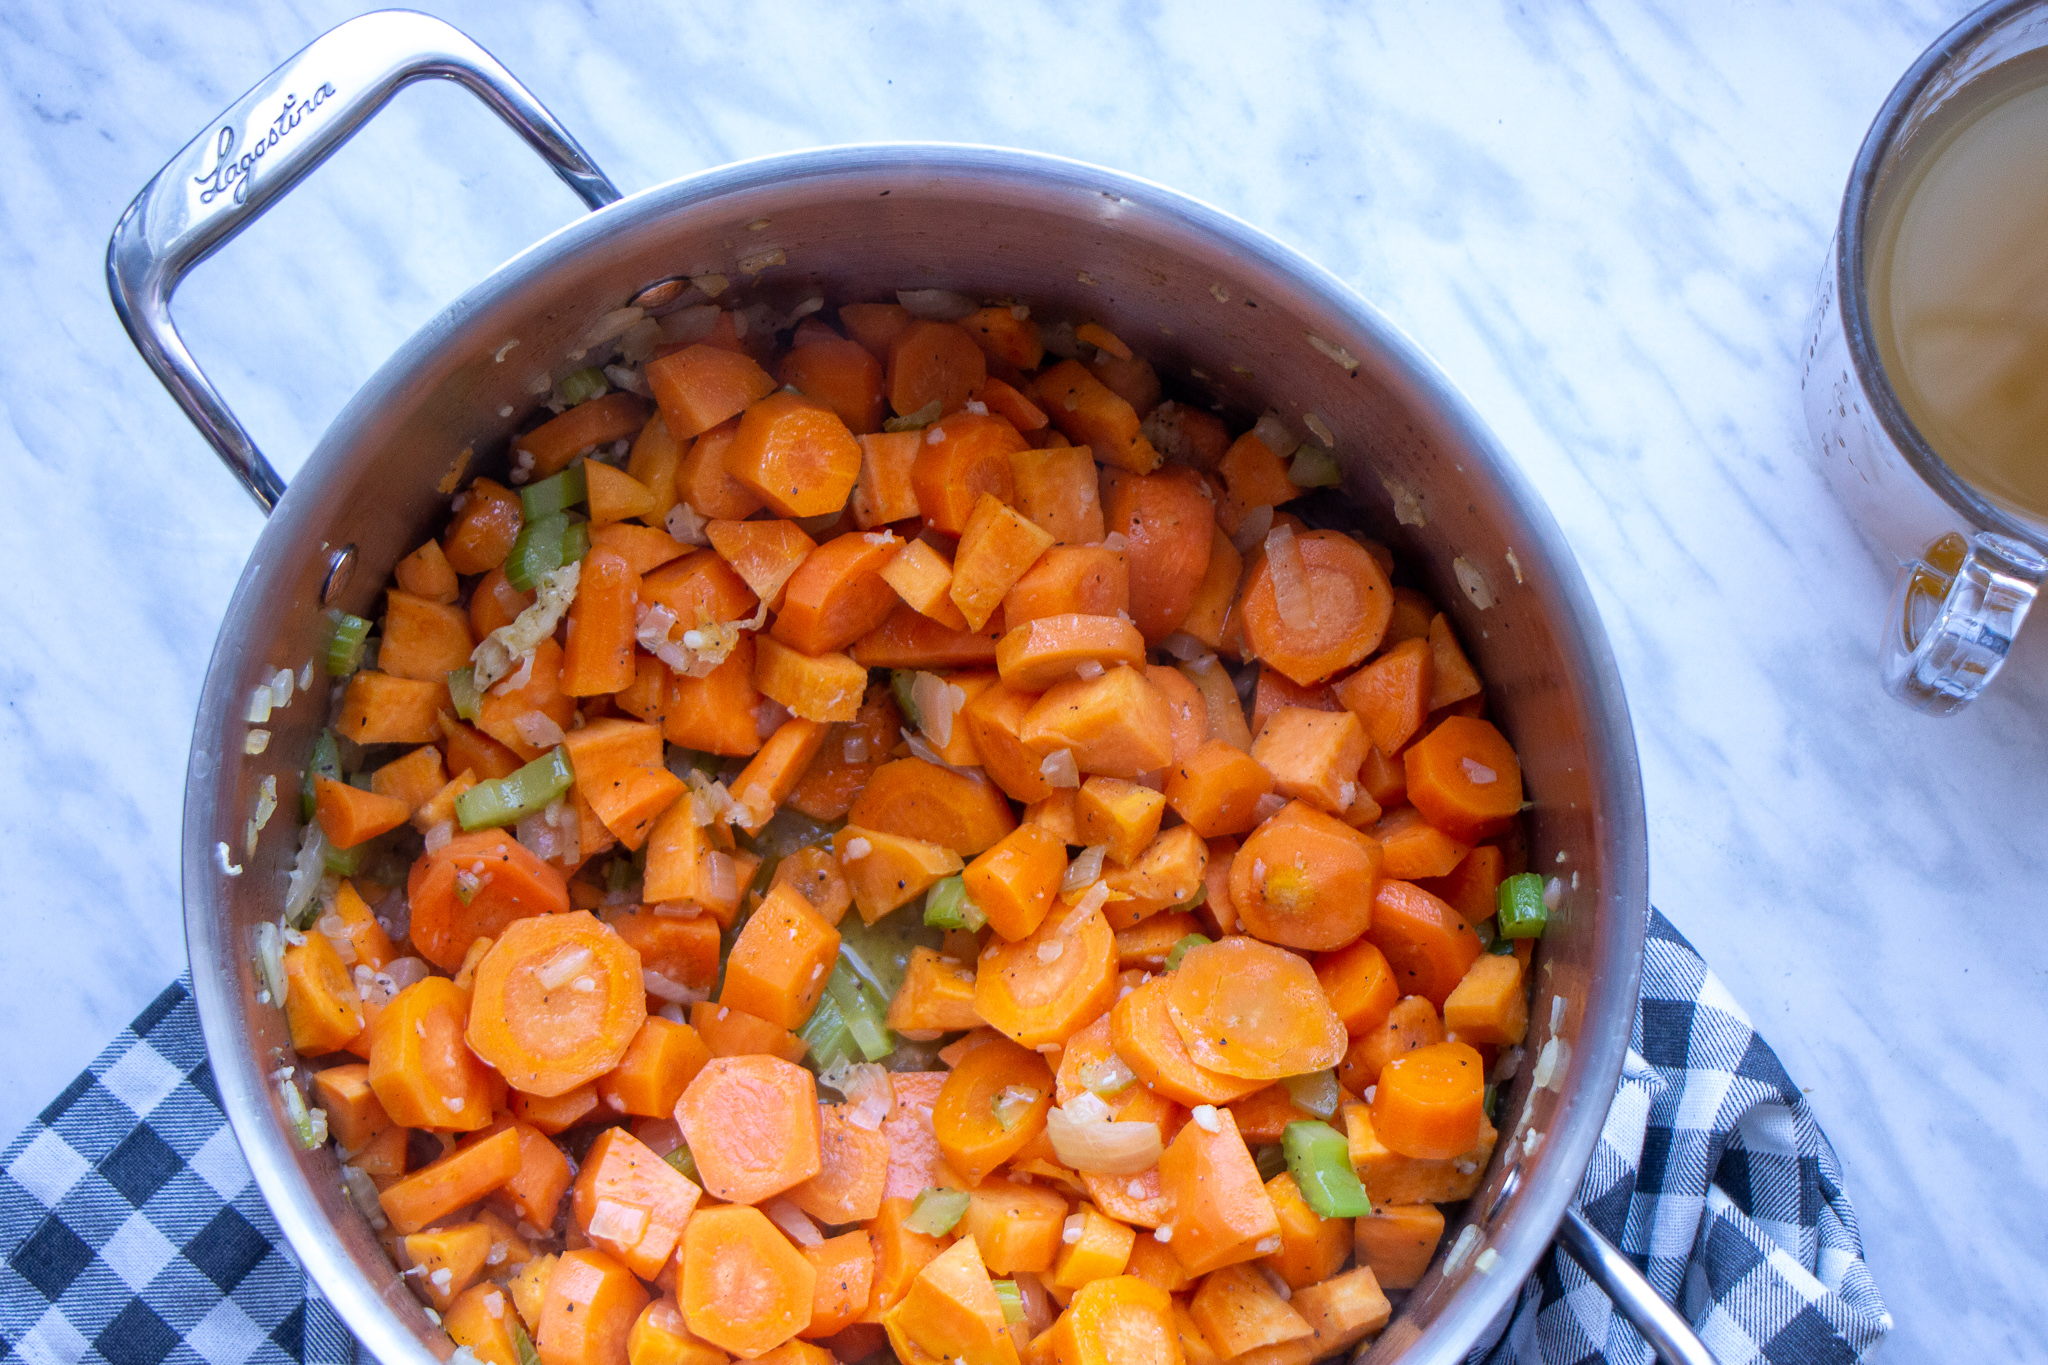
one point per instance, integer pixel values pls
(345, 862)
(1490, 1101)
(575, 542)
(1314, 467)
(826, 1035)
(522, 1343)
(1316, 1092)
(583, 385)
(937, 1210)
(557, 493)
(467, 696)
(507, 800)
(619, 873)
(1180, 949)
(948, 906)
(1521, 912)
(1320, 1159)
(325, 761)
(864, 1009)
(900, 682)
(913, 421)
(536, 551)
(345, 644)
(1011, 1298)
(683, 1160)
(1270, 1159)
(1012, 1105)
(1491, 937)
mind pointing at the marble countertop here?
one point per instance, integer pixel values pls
(1605, 221)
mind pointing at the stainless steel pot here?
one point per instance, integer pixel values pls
(1209, 297)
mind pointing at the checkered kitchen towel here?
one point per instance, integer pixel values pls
(131, 1232)
(1714, 1177)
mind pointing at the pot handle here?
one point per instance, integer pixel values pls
(261, 147)
(1954, 616)
(1662, 1325)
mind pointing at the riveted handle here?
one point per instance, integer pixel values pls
(1954, 618)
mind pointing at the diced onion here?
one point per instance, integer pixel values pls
(1553, 893)
(1184, 646)
(935, 305)
(1252, 530)
(937, 701)
(270, 962)
(661, 988)
(563, 966)
(685, 524)
(1477, 773)
(306, 873)
(612, 1221)
(1461, 1250)
(1275, 436)
(1050, 950)
(1205, 1118)
(260, 704)
(853, 749)
(1071, 1230)
(793, 1221)
(1059, 769)
(1088, 670)
(1291, 595)
(1104, 1147)
(1086, 868)
(1110, 1076)
(1116, 542)
(1088, 1107)
(1268, 806)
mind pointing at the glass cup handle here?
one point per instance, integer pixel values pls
(1954, 617)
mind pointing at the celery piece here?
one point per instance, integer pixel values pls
(1314, 467)
(937, 1210)
(345, 862)
(345, 643)
(912, 421)
(863, 1008)
(1521, 912)
(826, 1035)
(1011, 1298)
(522, 1344)
(464, 692)
(683, 1160)
(324, 761)
(948, 906)
(1180, 949)
(536, 551)
(901, 680)
(619, 873)
(583, 385)
(508, 800)
(1012, 1105)
(1490, 937)
(1490, 1100)
(575, 542)
(1320, 1159)
(1316, 1092)
(1200, 898)
(556, 493)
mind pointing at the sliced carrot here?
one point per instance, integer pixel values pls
(1360, 985)
(885, 490)
(1464, 778)
(845, 1267)
(951, 1313)
(470, 1322)
(1092, 414)
(682, 948)
(502, 880)
(661, 1336)
(1390, 695)
(320, 1004)
(1169, 523)
(1217, 789)
(819, 687)
(1427, 1103)
(1141, 1027)
(1305, 879)
(796, 455)
(630, 1203)
(918, 800)
(378, 708)
(503, 709)
(915, 1161)
(1131, 378)
(471, 750)
(853, 1169)
(700, 386)
(1245, 1008)
(652, 464)
(552, 1114)
(1147, 944)
(838, 594)
(1385, 780)
(487, 519)
(744, 1287)
(412, 779)
(1085, 580)
(778, 963)
(775, 770)
(934, 362)
(1014, 880)
(1050, 649)
(843, 376)
(1209, 615)
(615, 495)
(1120, 815)
(992, 719)
(646, 548)
(1473, 886)
(1412, 1023)
(531, 1015)
(900, 1254)
(494, 602)
(1255, 475)
(455, 1181)
(1102, 1249)
(1005, 336)
(1044, 987)
(1120, 1320)
(874, 325)
(1398, 1241)
(353, 1114)
(1221, 1212)
(426, 573)
(350, 816)
(704, 479)
(699, 588)
(1392, 1178)
(1428, 943)
(662, 1060)
(536, 1191)
(580, 430)
(963, 457)
(885, 870)
(992, 1104)
(714, 714)
(1312, 1248)
(1015, 1226)
(1057, 488)
(1117, 725)
(997, 546)
(1313, 756)
(588, 1315)
(1452, 679)
(923, 577)
(735, 1033)
(619, 770)
(936, 997)
(422, 639)
(1414, 848)
(1154, 1262)
(813, 873)
(1012, 406)
(846, 760)
(752, 1125)
(1338, 604)
(1276, 693)
(909, 639)
(599, 656)
(1490, 1004)
(686, 868)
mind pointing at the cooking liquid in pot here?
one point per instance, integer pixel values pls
(1958, 286)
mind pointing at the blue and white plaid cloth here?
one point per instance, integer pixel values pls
(131, 1232)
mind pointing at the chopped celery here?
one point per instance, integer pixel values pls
(464, 692)
(1011, 1298)
(345, 644)
(1497, 943)
(1180, 949)
(911, 421)
(937, 1210)
(900, 682)
(556, 493)
(1316, 1092)
(324, 761)
(522, 1344)
(1490, 1100)
(1521, 912)
(683, 1160)
(1271, 1160)
(583, 385)
(345, 862)
(1314, 467)
(1012, 1104)
(1320, 1159)
(826, 1035)
(863, 1008)
(537, 550)
(575, 542)
(508, 800)
(1201, 897)
(948, 906)
(619, 873)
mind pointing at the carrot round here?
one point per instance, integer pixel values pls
(557, 1001)
(874, 325)
(420, 1070)
(1246, 1008)
(592, 1302)
(1040, 652)
(473, 887)
(704, 480)
(1464, 778)
(752, 1124)
(1360, 983)
(844, 376)
(1429, 1103)
(1428, 943)
(1143, 1034)
(837, 594)
(962, 457)
(797, 455)
(1305, 879)
(1169, 521)
(1335, 611)
(1066, 579)
(483, 529)
(1412, 1023)
(745, 1289)
(1045, 987)
(700, 587)
(934, 362)
(1120, 1320)
(991, 1106)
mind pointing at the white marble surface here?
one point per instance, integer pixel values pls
(1604, 220)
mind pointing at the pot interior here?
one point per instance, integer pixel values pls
(1248, 323)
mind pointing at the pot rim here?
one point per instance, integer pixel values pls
(1521, 1234)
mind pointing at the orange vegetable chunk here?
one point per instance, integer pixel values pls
(456, 1181)
(1428, 943)
(1036, 654)
(937, 996)
(992, 1104)
(744, 1287)
(1428, 1103)
(1091, 414)
(1312, 1248)
(820, 687)
(1342, 1311)
(795, 454)
(1398, 1241)
(777, 767)
(1390, 695)
(1046, 986)
(533, 1018)
(591, 1305)
(963, 458)
(933, 362)
(1246, 1008)
(661, 1336)
(852, 1172)
(779, 962)
(886, 870)
(996, 547)
(1490, 1005)
(1313, 756)
(320, 1004)
(1141, 1028)
(1414, 849)
(1121, 1320)
(1220, 1210)
(1121, 816)
(1058, 488)
(700, 386)
(918, 800)
(1169, 523)
(1305, 879)
(1239, 1312)
(1217, 789)
(1016, 1226)
(752, 1124)
(843, 375)
(1336, 607)
(951, 1313)
(1015, 878)
(630, 1203)
(580, 430)
(660, 1062)
(845, 1268)
(1117, 725)
(884, 492)
(378, 708)
(1464, 778)
(421, 1072)
(1082, 580)
(1411, 1023)
(1360, 985)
